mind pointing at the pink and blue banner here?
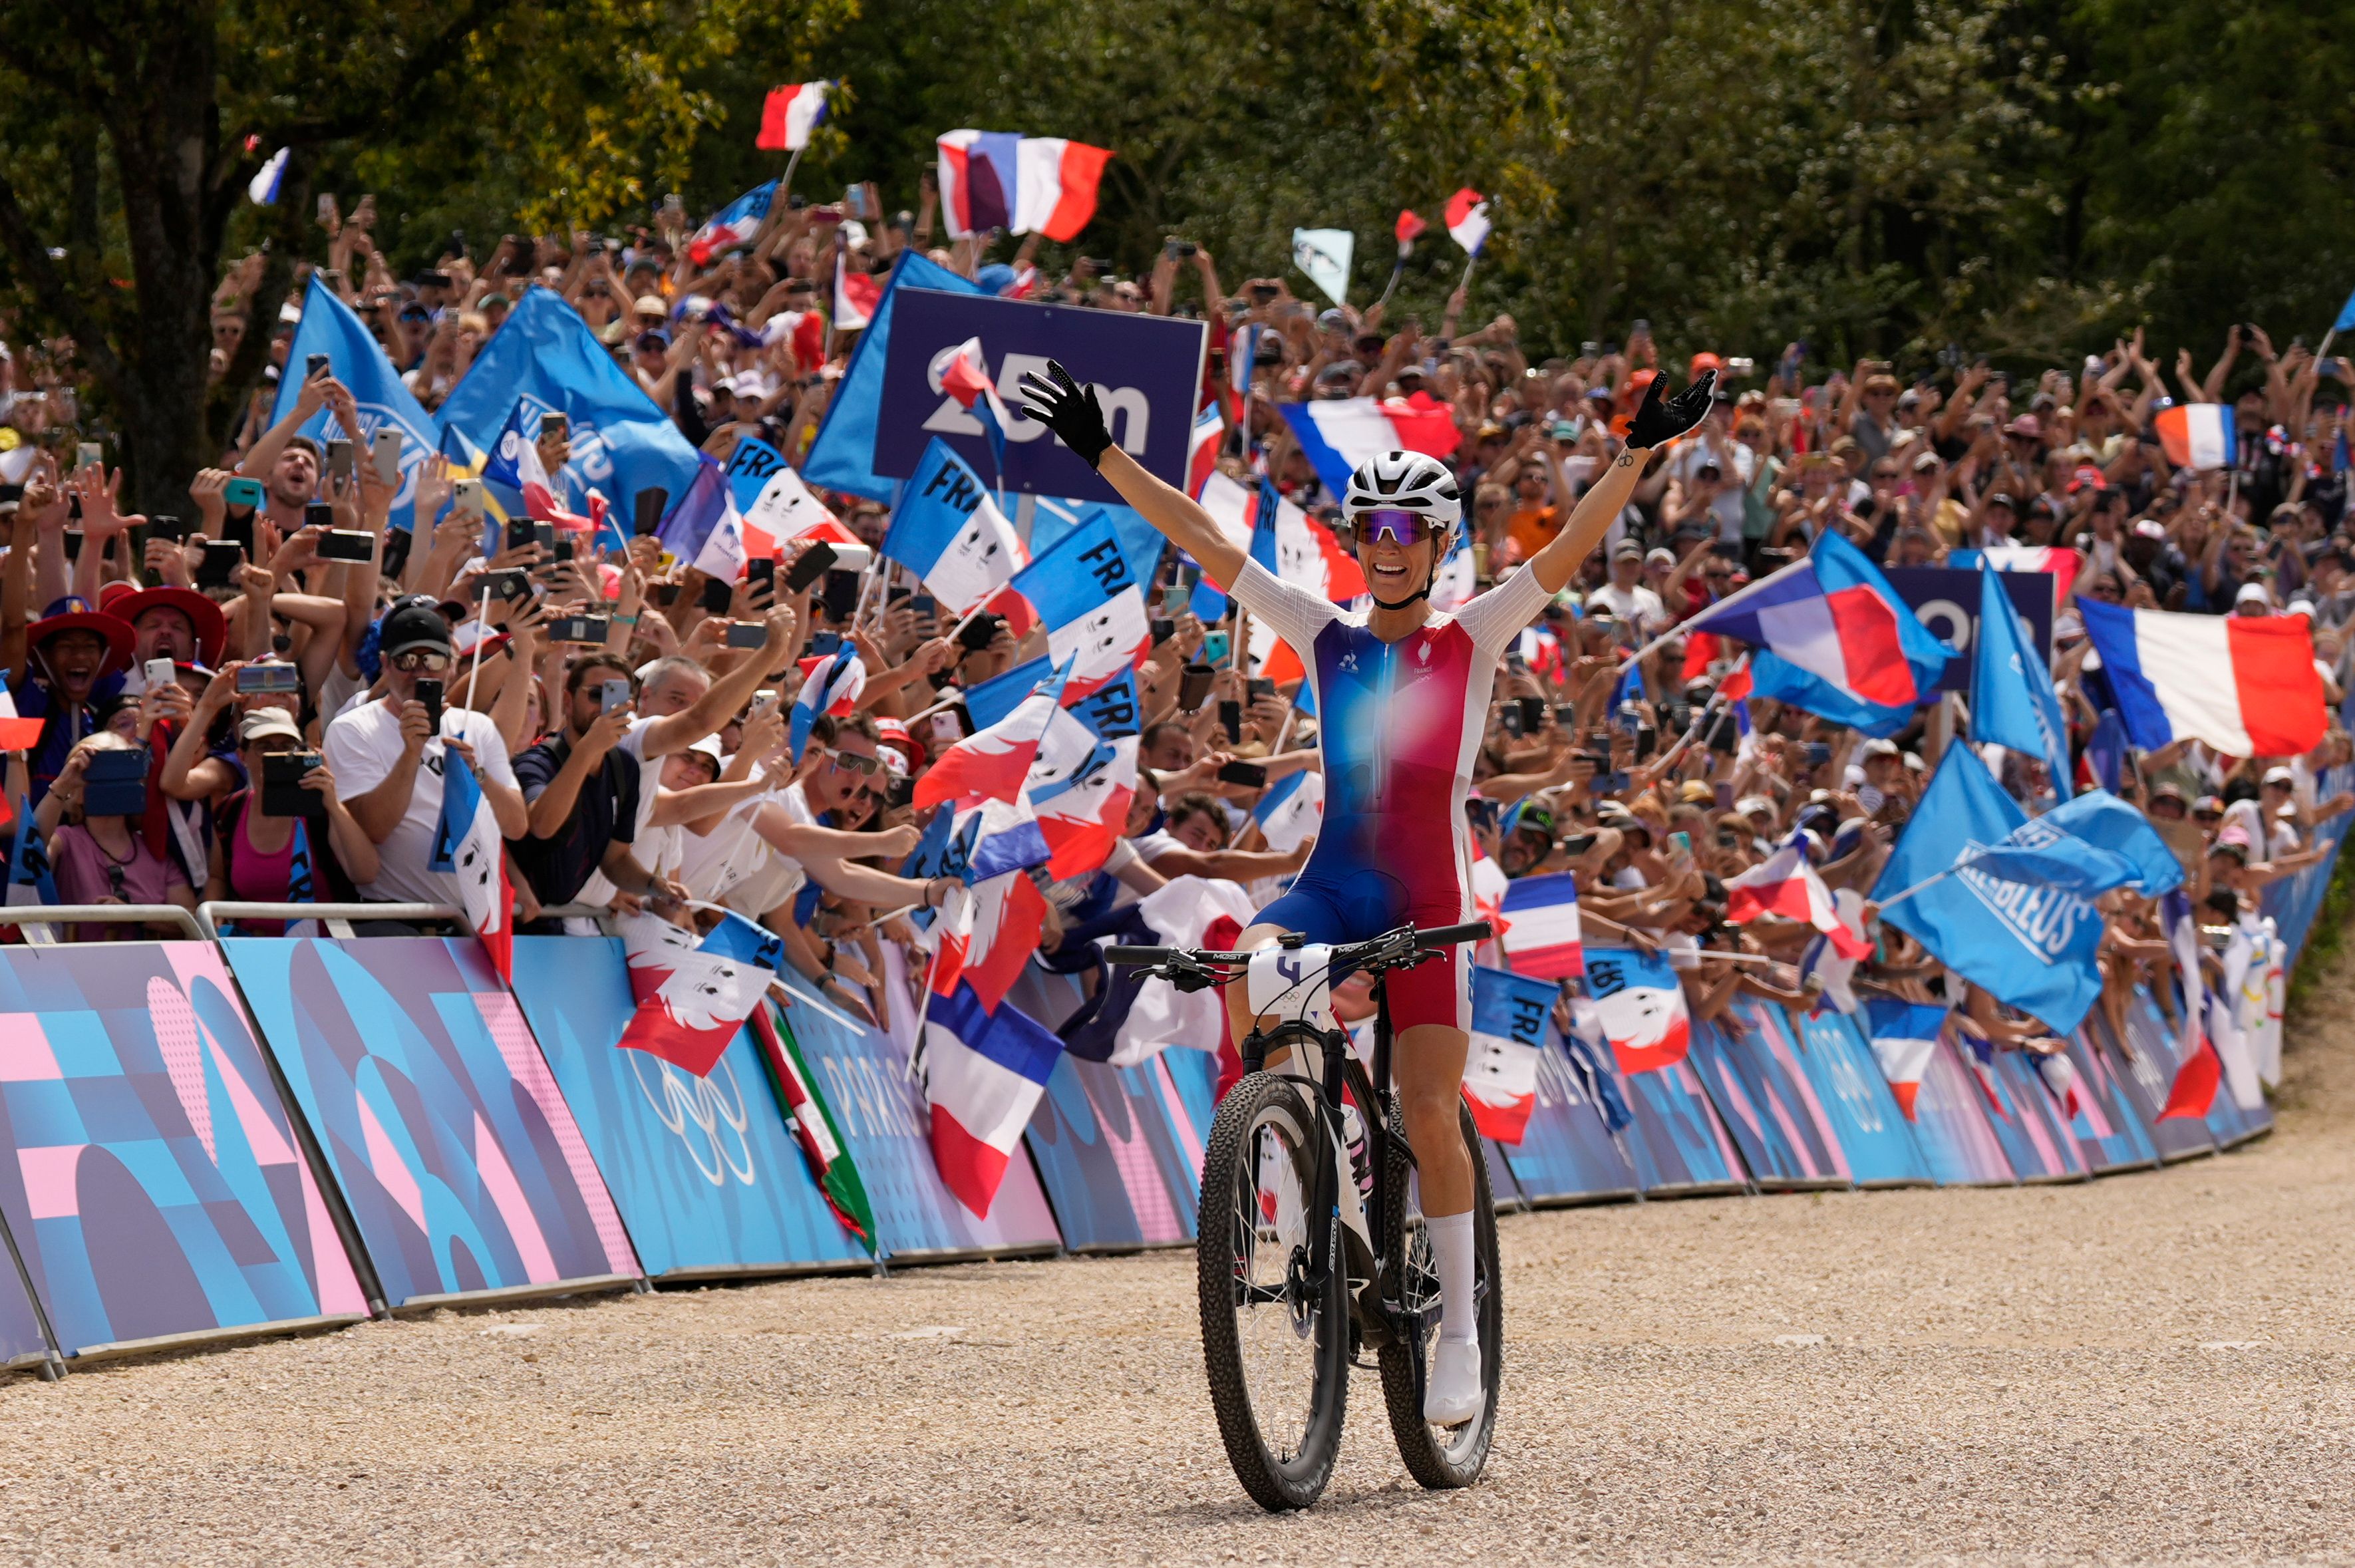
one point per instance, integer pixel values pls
(1568, 1153)
(460, 1161)
(1951, 1125)
(1769, 1108)
(150, 1176)
(1837, 1063)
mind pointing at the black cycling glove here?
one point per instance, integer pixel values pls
(1659, 421)
(1068, 409)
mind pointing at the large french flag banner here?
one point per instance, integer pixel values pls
(948, 530)
(2244, 686)
(998, 179)
(1084, 776)
(1509, 1029)
(984, 1072)
(992, 763)
(2198, 435)
(1541, 927)
(1834, 638)
(731, 225)
(1337, 436)
(1640, 1007)
(1785, 884)
(694, 993)
(1091, 603)
(789, 114)
(2057, 561)
(1904, 1036)
(469, 849)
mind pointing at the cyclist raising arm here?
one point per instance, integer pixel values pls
(1403, 693)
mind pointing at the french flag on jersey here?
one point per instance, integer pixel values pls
(856, 296)
(2198, 435)
(1785, 884)
(1905, 1036)
(1339, 435)
(2244, 686)
(1541, 927)
(731, 225)
(1202, 447)
(1084, 776)
(832, 684)
(998, 179)
(948, 530)
(789, 114)
(984, 1072)
(1834, 638)
(1092, 603)
(961, 373)
(694, 993)
(993, 764)
(2061, 562)
(1500, 1076)
(469, 848)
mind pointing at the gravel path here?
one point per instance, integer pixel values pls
(2155, 1367)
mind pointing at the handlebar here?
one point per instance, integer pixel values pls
(1141, 954)
(1436, 936)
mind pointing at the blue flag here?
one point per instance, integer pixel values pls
(1140, 542)
(2101, 818)
(2038, 851)
(359, 361)
(993, 698)
(2012, 700)
(30, 880)
(2346, 316)
(749, 468)
(547, 355)
(1072, 581)
(2106, 749)
(843, 456)
(2029, 945)
(300, 886)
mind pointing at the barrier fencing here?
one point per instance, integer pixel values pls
(220, 1136)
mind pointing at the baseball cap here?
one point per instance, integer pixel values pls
(1659, 557)
(2028, 425)
(1628, 549)
(1705, 361)
(2280, 776)
(264, 723)
(414, 626)
(2253, 591)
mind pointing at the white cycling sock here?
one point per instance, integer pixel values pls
(1451, 1250)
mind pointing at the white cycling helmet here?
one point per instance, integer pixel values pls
(1406, 481)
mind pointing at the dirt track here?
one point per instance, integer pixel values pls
(2154, 1367)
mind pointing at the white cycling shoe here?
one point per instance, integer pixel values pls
(1453, 1395)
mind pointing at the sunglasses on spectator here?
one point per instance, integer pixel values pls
(1401, 528)
(855, 763)
(421, 658)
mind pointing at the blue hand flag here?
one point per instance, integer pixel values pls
(2012, 700)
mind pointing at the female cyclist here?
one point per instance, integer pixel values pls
(1402, 699)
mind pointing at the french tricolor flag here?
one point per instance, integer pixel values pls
(856, 297)
(1905, 1036)
(1467, 219)
(984, 1072)
(1785, 884)
(961, 373)
(1500, 1075)
(1091, 603)
(1202, 447)
(789, 114)
(17, 735)
(1292, 810)
(996, 179)
(1337, 436)
(993, 764)
(1541, 936)
(2200, 1067)
(1084, 777)
(948, 530)
(2244, 686)
(694, 993)
(731, 225)
(2198, 435)
(831, 683)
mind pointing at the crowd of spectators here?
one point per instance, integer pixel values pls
(655, 765)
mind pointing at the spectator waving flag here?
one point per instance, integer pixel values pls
(1407, 230)
(732, 225)
(842, 457)
(1904, 1038)
(2198, 435)
(1541, 926)
(1292, 810)
(1508, 1031)
(789, 114)
(2244, 686)
(1467, 219)
(858, 296)
(780, 511)
(1091, 603)
(830, 1164)
(513, 466)
(1202, 446)
(694, 993)
(704, 528)
(1785, 884)
(301, 884)
(262, 189)
(1084, 776)
(996, 179)
(949, 532)
(984, 1068)
(993, 764)
(1834, 638)
(468, 849)
(2013, 703)
(962, 372)
(1337, 436)
(1640, 1007)
(16, 734)
(831, 683)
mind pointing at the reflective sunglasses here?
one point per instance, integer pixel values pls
(856, 764)
(421, 658)
(1401, 528)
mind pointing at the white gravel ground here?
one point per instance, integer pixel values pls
(2151, 1367)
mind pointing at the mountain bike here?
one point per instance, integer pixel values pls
(1296, 1284)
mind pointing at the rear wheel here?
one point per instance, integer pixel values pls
(1438, 1457)
(1274, 1326)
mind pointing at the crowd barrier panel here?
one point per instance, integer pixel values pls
(879, 1107)
(1952, 1126)
(1831, 1055)
(463, 1171)
(2110, 1129)
(704, 1170)
(153, 1189)
(1770, 1111)
(2042, 1148)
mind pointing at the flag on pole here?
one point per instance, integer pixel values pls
(1202, 446)
(2013, 702)
(1541, 926)
(1785, 884)
(1640, 1007)
(948, 530)
(856, 297)
(469, 849)
(1509, 1029)
(262, 189)
(1325, 255)
(814, 1125)
(984, 1072)
(1904, 1036)
(996, 179)
(960, 372)
(832, 684)
(2244, 686)
(1407, 228)
(1091, 603)
(732, 225)
(993, 762)
(694, 993)
(1084, 776)
(789, 114)
(1467, 219)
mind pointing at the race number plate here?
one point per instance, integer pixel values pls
(1292, 984)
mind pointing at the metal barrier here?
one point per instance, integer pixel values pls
(335, 917)
(36, 919)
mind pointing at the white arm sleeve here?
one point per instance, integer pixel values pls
(1500, 615)
(1295, 614)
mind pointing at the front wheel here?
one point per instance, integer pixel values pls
(1438, 1457)
(1275, 1327)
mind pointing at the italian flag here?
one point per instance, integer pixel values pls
(814, 1126)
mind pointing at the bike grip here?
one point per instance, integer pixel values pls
(1139, 954)
(1448, 935)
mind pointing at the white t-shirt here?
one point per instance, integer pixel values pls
(774, 876)
(361, 748)
(1638, 606)
(1737, 465)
